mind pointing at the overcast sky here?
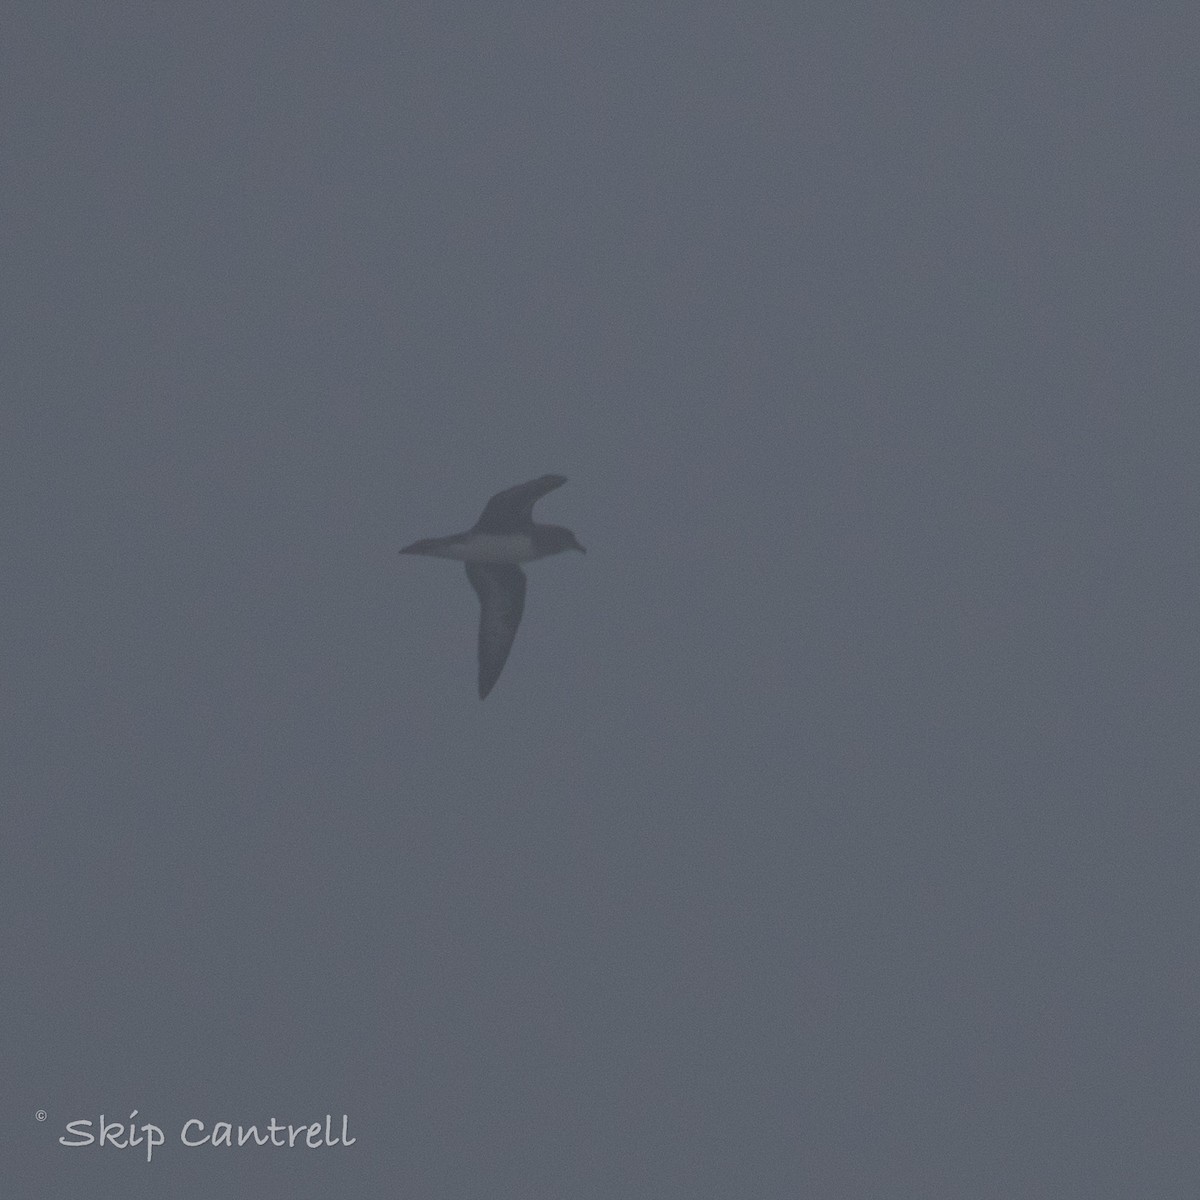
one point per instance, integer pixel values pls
(832, 830)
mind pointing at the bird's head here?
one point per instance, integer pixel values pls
(554, 538)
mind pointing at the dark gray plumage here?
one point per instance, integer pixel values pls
(501, 591)
(504, 536)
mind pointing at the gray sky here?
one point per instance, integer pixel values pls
(832, 830)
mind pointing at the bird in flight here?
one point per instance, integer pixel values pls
(504, 536)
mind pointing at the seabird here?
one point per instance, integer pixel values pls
(504, 536)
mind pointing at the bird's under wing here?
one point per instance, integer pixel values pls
(509, 510)
(501, 591)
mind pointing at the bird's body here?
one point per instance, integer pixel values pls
(479, 547)
(504, 536)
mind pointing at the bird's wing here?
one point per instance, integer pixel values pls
(512, 508)
(501, 591)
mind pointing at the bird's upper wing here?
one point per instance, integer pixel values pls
(501, 591)
(512, 508)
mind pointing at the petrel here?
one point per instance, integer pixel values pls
(504, 536)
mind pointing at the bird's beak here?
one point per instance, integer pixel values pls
(414, 548)
(580, 548)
